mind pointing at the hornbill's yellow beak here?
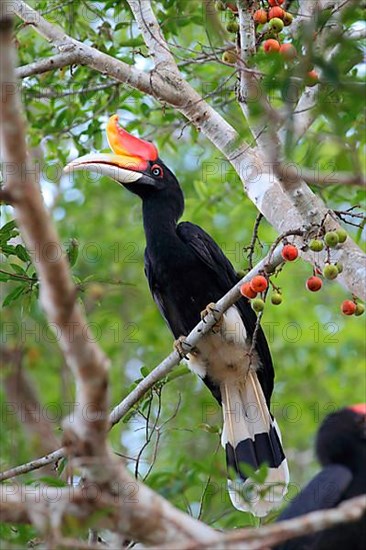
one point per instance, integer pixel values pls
(132, 156)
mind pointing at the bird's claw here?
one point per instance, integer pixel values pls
(211, 308)
(178, 346)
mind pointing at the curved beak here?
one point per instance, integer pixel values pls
(123, 169)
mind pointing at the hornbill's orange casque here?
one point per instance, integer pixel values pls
(341, 450)
(186, 270)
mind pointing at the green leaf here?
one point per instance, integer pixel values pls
(22, 253)
(8, 250)
(145, 371)
(73, 251)
(14, 295)
(4, 277)
(19, 270)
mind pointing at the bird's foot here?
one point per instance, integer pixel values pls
(178, 346)
(211, 308)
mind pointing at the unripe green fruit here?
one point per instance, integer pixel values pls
(342, 235)
(288, 18)
(276, 298)
(229, 57)
(258, 305)
(276, 24)
(339, 266)
(232, 26)
(330, 272)
(360, 309)
(316, 245)
(331, 239)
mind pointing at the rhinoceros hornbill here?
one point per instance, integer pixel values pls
(341, 449)
(186, 271)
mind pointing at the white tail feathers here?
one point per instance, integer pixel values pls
(251, 437)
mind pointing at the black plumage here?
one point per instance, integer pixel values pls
(186, 271)
(341, 450)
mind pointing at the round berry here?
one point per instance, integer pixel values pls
(311, 79)
(258, 305)
(276, 24)
(360, 309)
(259, 283)
(287, 18)
(331, 239)
(276, 12)
(288, 51)
(260, 17)
(276, 298)
(247, 291)
(342, 235)
(229, 57)
(232, 26)
(314, 284)
(289, 252)
(330, 272)
(316, 245)
(275, 2)
(339, 266)
(271, 45)
(348, 307)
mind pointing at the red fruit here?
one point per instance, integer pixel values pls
(276, 12)
(271, 45)
(348, 307)
(314, 284)
(288, 51)
(311, 79)
(259, 283)
(247, 291)
(289, 252)
(260, 17)
(275, 2)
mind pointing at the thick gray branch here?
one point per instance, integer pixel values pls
(263, 186)
(48, 64)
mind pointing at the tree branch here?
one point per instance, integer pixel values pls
(323, 179)
(87, 55)
(153, 36)
(264, 129)
(49, 64)
(85, 434)
(149, 517)
(267, 536)
(261, 183)
(300, 120)
(33, 464)
(267, 264)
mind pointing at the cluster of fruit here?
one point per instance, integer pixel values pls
(275, 19)
(331, 271)
(289, 253)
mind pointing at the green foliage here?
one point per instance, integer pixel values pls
(317, 352)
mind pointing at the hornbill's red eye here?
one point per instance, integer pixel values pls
(157, 170)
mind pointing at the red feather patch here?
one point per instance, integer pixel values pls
(359, 409)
